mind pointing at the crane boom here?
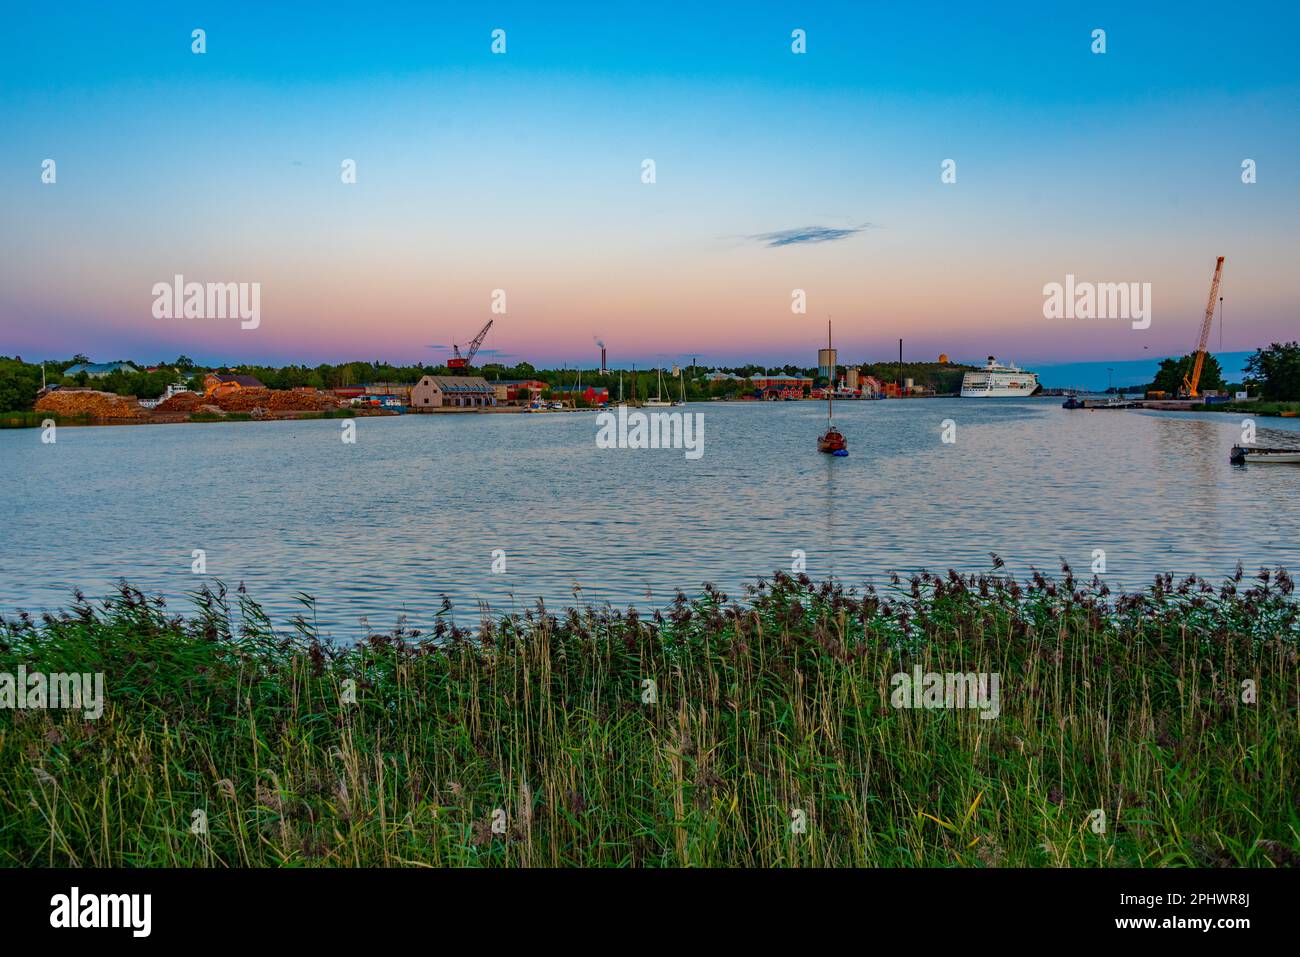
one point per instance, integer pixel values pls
(1193, 381)
(457, 361)
(482, 334)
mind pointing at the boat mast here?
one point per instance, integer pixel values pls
(830, 382)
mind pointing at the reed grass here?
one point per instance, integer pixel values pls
(1257, 407)
(36, 420)
(1132, 705)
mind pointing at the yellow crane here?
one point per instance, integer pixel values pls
(1191, 382)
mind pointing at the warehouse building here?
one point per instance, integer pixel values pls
(452, 391)
(518, 390)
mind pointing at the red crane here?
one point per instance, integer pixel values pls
(457, 361)
(1191, 382)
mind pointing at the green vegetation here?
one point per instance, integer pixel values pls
(1253, 408)
(19, 383)
(941, 378)
(1277, 369)
(1169, 378)
(32, 420)
(1131, 705)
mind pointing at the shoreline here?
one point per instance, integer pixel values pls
(35, 420)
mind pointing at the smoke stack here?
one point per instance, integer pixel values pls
(602, 360)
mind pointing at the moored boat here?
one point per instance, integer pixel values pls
(998, 381)
(1242, 454)
(657, 400)
(832, 441)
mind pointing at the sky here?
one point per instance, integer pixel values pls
(522, 171)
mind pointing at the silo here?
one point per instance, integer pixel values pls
(852, 377)
(826, 363)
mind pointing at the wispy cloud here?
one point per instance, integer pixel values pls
(808, 234)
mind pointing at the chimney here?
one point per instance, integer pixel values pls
(602, 360)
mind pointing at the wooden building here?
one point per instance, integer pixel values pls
(452, 391)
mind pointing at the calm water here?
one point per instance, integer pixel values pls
(416, 507)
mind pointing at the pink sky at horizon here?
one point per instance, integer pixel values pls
(727, 304)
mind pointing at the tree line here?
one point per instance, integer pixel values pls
(1273, 372)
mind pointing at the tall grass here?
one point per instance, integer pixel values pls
(1257, 407)
(33, 420)
(1130, 705)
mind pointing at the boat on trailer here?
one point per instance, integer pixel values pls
(1242, 454)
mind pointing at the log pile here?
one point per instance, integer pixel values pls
(180, 402)
(274, 400)
(88, 402)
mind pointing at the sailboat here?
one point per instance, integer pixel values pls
(657, 399)
(832, 441)
(681, 375)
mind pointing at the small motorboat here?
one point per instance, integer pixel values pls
(1072, 403)
(1242, 454)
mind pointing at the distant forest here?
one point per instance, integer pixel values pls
(20, 381)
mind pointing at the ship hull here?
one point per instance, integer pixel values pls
(998, 392)
(977, 386)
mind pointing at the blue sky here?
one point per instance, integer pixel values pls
(521, 172)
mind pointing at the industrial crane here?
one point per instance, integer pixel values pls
(457, 361)
(1191, 382)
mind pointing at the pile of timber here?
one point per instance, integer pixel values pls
(89, 402)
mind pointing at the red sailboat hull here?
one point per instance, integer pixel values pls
(831, 442)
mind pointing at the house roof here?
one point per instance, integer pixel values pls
(459, 383)
(93, 368)
(247, 381)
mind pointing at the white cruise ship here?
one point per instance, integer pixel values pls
(998, 380)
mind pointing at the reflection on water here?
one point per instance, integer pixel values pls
(415, 508)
